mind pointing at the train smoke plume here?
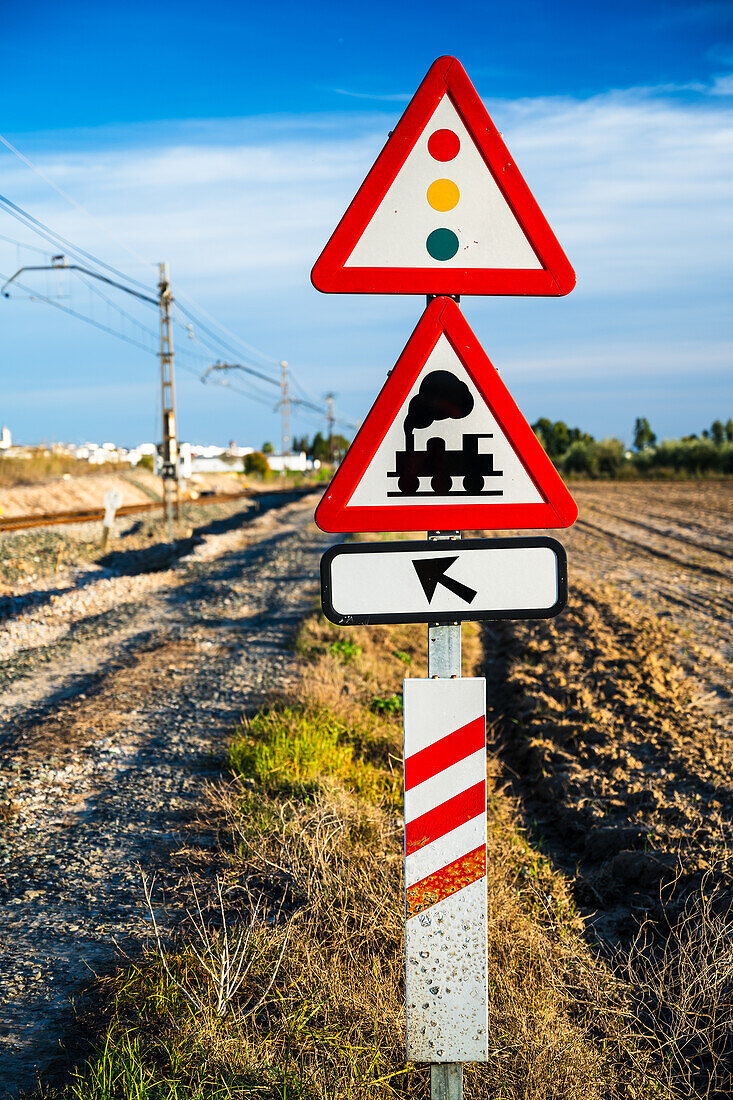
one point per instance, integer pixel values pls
(441, 396)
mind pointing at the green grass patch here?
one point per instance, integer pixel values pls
(345, 649)
(294, 751)
(387, 704)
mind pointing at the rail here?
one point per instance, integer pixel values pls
(49, 519)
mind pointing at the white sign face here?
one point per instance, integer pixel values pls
(460, 189)
(468, 579)
(445, 869)
(503, 477)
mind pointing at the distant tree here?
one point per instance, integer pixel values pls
(643, 435)
(339, 446)
(300, 444)
(610, 457)
(542, 428)
(319, 448)
(717, 431)
(267, 449)
(560, 438)
(557, 437)
(256, 464)
(705, 433)
(729, 430)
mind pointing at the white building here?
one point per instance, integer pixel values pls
(299, 462)
(6, 439)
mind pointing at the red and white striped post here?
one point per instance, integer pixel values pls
(445, 865)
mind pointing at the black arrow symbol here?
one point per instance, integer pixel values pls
(431, 572)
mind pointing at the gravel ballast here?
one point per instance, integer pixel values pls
(118, 696)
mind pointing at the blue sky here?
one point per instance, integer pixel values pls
(229, 138)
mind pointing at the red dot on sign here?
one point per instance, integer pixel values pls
(444, 145)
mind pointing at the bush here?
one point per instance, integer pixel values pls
(686, 457)
(256, 464)
(602, 458)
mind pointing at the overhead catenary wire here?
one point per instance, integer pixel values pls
(132, 252)
(243, 344)
(22, 244)
(73, 202)
(54, 238)
(29, 221)
(36, 296)
(216, 341)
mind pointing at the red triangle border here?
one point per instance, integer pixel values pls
(333, 513)
(555, 278)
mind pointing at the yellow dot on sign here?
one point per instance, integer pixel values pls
(443, 195)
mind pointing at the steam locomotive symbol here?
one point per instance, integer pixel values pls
(442, 396)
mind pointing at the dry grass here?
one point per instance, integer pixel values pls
(43, 465)
(684, 994)
(310, 822)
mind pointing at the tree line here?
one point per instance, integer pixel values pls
(576, 452)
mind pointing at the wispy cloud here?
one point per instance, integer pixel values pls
(396, 97)
(636, 184)
(723, 85)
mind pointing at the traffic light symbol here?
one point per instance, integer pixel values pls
(443, 194)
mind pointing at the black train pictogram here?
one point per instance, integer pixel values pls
(442, 396)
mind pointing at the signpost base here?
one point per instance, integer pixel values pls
(446, 1081)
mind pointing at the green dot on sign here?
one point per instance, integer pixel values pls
(442, 244)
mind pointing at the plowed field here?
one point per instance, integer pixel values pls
(614, 721)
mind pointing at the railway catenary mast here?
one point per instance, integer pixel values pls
(169, 455)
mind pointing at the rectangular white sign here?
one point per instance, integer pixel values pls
(445, 870)
(383, 582)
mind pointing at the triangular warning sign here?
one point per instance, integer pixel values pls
(444, 447)
(444, 209)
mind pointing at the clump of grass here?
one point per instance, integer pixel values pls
(684, 990)
(345, 649)
(387, 704)
(406, 658)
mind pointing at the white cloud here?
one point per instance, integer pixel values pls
(656, 359)
(722, 85)
(635, 183)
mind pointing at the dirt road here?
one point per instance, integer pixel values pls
(116, 694)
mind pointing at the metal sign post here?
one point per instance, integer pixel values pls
(444, 659)
(445, 852)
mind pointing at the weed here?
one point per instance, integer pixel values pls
(389, 704)
(345, 649)
(400, 654)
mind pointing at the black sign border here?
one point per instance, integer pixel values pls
(442, 617)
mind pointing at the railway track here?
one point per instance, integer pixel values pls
(50, 519)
